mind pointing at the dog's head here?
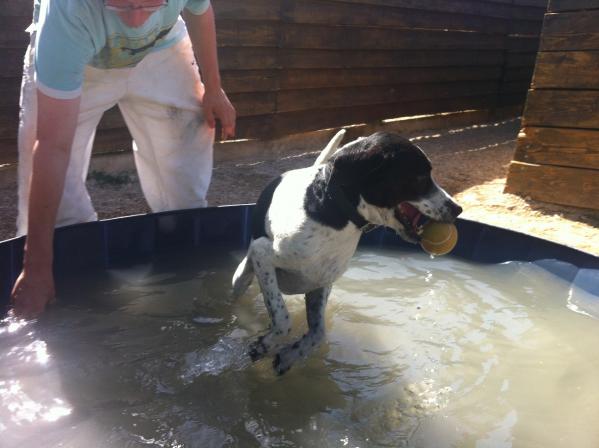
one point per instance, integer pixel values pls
(393, 178)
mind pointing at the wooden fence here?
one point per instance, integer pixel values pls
(291, 66)
(557, 156)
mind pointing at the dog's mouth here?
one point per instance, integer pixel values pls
(411, 219)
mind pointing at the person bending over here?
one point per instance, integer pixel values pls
(85, 56)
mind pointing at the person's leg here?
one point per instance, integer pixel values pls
(99, 94)
(172, 142)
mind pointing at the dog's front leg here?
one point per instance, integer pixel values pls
(315, 305)
(262, 256)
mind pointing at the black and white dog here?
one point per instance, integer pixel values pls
(307, 224)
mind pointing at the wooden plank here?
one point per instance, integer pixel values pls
(559, 146)
(518, 74)
(577, 187)
(254, 103)
(562, 108)
(313, 58)
(12, 32)
(572, 5)
(567, 69)
(308, 120)
(9, 121)
(11, 62)
(17, 9)
(235, 81)
(10, 89)
(112, 140)
(364, 15)
(318, 78)
(263, 10)
(579, 22)
(503, 10)
(569, 42)
(295, 100)
(252, 58)
(570, 31)
(520, 60)
(8, 150)
(247, 58)
(509, 99)
(525, 27)
(537, 3)
(340, 38)
(112, 119)
(519, 86)
(526, 44)
(375, 15)
(238, 33)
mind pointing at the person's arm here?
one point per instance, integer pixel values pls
(56, 124)
(202, 32)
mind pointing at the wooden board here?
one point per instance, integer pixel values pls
(572, 5)
(562, 108)
(559, 146)
(521, 59)
(306, 120)
(568, 186)
(306, 99)
(570, 31)
(341, 37)
(364, 15)
(526, 44)
(318, 78)
(10, 89)
(316, 58)
(240, 33)
(518, 74)
(12, 62)
(503, 10)
(567, 70)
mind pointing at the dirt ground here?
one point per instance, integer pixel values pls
(470, 163)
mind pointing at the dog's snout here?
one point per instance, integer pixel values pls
(454, 209)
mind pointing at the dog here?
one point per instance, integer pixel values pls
(307, 223)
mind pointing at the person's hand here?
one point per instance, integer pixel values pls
(216, 105)
(33, 290)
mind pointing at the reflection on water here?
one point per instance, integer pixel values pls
(419, 352)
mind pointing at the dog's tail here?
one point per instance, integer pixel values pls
(244, 274)
(330, 149)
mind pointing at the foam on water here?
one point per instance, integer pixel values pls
(419, 352)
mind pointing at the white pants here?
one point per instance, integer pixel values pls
(160, 102)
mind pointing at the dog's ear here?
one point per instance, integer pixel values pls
(357, 161)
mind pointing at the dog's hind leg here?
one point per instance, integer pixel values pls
(262, 257)
(244, 274)
(315, 305)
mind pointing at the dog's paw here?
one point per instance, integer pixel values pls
(258, 349)
(286, 358)
(280, 365)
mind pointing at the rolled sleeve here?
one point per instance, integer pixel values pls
(63, 48)
(197, 7)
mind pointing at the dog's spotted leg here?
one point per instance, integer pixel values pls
(315, 305)
(262, 257)
(244, 274)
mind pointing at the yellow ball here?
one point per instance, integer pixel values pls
(438, 238)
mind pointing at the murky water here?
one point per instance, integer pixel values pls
(419, 352)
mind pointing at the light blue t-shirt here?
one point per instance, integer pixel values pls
(71, 34)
